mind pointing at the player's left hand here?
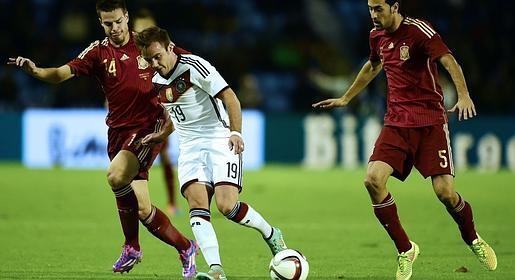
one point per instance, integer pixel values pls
(465, 107)
(153, 138)
(236, 144)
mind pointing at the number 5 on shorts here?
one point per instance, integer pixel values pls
(443, 155)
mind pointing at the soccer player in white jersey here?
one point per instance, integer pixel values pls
(210, 142)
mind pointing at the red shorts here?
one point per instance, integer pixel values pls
(130, 139)
(427, 148)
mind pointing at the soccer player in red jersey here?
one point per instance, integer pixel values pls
(415, 131)
(141, 20)
(134, 111)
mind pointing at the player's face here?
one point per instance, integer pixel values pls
(162, 59)
(116, 26)
(381, 14)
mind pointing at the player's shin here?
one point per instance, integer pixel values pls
(245, 215)
(160, 226)
(200, 221)
(386, 213)
(127, 204)
(462, 215)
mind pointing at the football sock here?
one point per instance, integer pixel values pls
(200, 221)
(170, 184)
(462, 215)
(160, 226)
(386, 213)
(127, 204)
(245, 215)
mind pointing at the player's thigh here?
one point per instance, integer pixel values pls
(434, 155)
(392, 147)
(140, 188)
(124, 166)
(192, 166)
(197, 194)
(227, 167)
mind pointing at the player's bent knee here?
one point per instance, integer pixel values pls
(116, 180)
(225, 207)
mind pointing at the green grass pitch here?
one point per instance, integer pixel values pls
(62, 224)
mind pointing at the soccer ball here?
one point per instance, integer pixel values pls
(290, 265)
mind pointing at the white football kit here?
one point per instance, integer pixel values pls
(200, 121)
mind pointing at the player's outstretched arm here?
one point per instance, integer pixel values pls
(367, 73)
(232, 104)
(465, 105)
(50, 75)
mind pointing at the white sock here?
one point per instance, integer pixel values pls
(206, 239)
(251, 219)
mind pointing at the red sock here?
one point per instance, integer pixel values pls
(170, 183)
(386, 213)
(160, 226)
(127, 204)
(462, 215)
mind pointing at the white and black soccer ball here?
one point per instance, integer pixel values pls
(289, 265)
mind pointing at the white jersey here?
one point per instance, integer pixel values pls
(189, 96)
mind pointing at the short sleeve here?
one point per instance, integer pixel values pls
(431, 42)
(84, 63)
(205, 75)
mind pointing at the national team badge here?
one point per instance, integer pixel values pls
(404, 54)
(142, 63)
(180, 86)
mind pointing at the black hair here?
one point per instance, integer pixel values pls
(110, 5)
(391, 2)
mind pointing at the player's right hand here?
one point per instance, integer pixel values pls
(153, 138)
(24, 63)
(330, 103)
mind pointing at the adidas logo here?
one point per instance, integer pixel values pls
(390, 46)
(124, 57)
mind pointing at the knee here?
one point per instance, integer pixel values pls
(195, 201)
(372, 182)
(448, 197)
(225, 205)
(144, 211)
(117, 180)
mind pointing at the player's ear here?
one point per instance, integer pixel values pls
(395, 8)
(170, 47)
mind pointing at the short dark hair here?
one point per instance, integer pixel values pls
(152, 34)
(110, 5)
(391, 2)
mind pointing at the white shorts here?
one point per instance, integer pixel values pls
(209, 162)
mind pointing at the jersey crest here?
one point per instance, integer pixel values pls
(404, 53)
(176, 88)
(142, 63)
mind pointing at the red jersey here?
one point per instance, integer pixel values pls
(409, 56)
(126, 79)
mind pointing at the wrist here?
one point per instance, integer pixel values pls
(237, 133)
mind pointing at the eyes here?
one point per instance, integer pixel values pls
(110, 24)
(377, 9)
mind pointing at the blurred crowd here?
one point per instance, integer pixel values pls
(278, 55)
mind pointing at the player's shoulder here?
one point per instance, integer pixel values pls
(95, 45)
(375, 33)
(195, 63)
(419, 26)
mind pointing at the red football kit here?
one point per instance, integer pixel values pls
(133, 108)
(415, 131)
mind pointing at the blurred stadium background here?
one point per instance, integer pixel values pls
(279, 56)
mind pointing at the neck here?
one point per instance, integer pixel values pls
(397, 19)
